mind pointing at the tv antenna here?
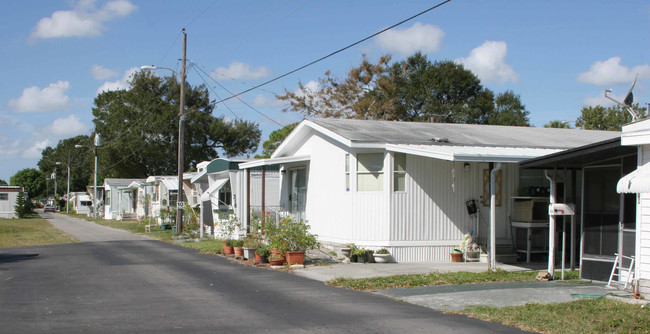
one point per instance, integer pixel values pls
(627, 102)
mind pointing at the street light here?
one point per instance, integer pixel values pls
(97, 143)
(67, 196)
(53, 176)
(181, 132)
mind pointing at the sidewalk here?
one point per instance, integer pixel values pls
(458, 297)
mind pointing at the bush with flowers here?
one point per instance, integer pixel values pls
(290, 235)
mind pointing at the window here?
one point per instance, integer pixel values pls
(347, 172)
(4, 197)
(370, 175)
(173, 196)
(107, 201)
(225, 195)
(399, 172)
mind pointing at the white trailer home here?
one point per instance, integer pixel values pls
(222, 185)
(404, 186)
(638, 183)
(8, 197)
(120, 200)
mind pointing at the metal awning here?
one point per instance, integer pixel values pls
(636, 182)
(274, 161)
(213, 189)
(171, 184)
(472, 153)
(199, 176)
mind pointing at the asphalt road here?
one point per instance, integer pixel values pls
(129, 286)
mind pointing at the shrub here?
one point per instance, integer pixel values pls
(382, 251)
(291, 235)
(237, 243)
(263, 251)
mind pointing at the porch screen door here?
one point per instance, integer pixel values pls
(298, 192)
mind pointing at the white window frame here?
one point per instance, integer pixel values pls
(399, 172)
(380, 173)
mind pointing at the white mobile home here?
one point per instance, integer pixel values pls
(120, 200)
(8, 197)
(638, 183)
(405, 186)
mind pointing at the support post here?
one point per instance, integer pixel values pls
(263, 197)
(551, 229)
(493, 247)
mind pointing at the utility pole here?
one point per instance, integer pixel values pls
(181, 131)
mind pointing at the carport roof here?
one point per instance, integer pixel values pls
(578, 157)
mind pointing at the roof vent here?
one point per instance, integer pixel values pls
(440, 140)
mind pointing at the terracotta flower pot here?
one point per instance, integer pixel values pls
(297, 257)
(239, 251)
(277, 262)
(229, 250)
(258, 258)
(276, 252)
(456, 257)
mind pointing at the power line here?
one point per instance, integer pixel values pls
(215, 93)
(333, 53)
(240, 100)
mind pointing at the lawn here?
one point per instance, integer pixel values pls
(581, 316)
(409, 281)
(31, 231)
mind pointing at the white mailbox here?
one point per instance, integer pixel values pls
(561, 209)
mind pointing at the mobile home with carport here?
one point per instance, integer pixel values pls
(405, 186)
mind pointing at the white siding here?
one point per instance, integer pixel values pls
(431, 215)
(7, 207)
(643, 231)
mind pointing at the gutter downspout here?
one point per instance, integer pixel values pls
(493, 217)
(551, 229)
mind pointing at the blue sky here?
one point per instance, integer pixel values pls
(57, 55)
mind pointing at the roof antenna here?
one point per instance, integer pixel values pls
(627, 102)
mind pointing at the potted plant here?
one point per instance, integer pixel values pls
(262, 254)
(238, 250)
(382, 256)
(294, 239)
(360, 253)
(347, 250)
(456, 255)
(250, 244)
(228, 248)
(276, 260)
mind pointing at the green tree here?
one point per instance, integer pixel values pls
(3, 182)
(140, 128)
(275, 139)
(81, 162)
(509, 110)
(32, 180)
(414, 89)
(22, 207)
(610, 118)
(557, 124)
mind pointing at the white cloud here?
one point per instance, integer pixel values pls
(611, 72)
(239, 70)
(311, 86)
(100, 72)
(118, 84)
(488, 62)
(67, 127)
(419, 37)
(83, 21)
(265, 101)
(34, 151)
(50, 98)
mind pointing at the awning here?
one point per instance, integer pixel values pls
(213, 189)
(274, 161)
(199, 176)
(171, 184)
(635, 182)
(472, 153)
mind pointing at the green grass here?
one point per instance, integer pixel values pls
(455, 278)
(205, 246)
(31, 231)
(581, 316)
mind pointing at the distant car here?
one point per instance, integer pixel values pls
(50, 208)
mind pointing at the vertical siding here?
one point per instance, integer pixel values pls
(433, 211)
(643, 230)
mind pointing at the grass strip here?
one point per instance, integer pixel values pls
(436, 278)
(32, 231)
(205, 246)
(581, 316)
